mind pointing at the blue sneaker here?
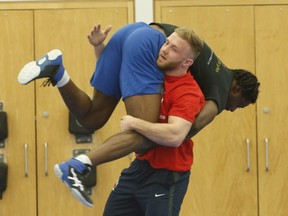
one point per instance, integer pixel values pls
(72, 173)
(49, 66)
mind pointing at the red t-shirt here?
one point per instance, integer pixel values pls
(182, 98)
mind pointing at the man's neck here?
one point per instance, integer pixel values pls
(176, 73)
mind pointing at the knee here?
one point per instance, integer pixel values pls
(92, 126)
(141, 143)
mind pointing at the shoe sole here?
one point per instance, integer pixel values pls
(31, 70)
(75, 192)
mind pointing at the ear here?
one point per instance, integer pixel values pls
(236, 89)
(188, 62)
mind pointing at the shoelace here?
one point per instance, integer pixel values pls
(47, 82)
(77, 182)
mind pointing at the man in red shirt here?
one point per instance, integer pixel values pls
(156, 182)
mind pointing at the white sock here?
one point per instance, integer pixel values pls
(84, 159)
(64, 80)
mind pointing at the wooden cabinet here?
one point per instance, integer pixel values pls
(27, 35)
(16, 42)
(219, 178)
(271, 47)
(252, 36)
(70, 36)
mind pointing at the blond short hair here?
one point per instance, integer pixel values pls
(196, 43)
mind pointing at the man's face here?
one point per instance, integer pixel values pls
(236, 100)
(173, 53)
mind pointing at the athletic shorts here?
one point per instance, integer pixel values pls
(127, 66)
(142, 190)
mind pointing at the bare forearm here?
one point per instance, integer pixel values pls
(206, 115)
(166, 134)
(98, 50)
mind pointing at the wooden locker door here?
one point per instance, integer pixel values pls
(271, 48)
(220, 184)
(16, 42)
(67, 30)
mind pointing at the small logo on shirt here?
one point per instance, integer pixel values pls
(162, 117)
(210, 59)
(115, 185)
(159, 195)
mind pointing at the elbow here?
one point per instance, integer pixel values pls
(197, 126)
(89, 125)
(175, 141)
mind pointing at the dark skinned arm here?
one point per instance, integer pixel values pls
(206, 115)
